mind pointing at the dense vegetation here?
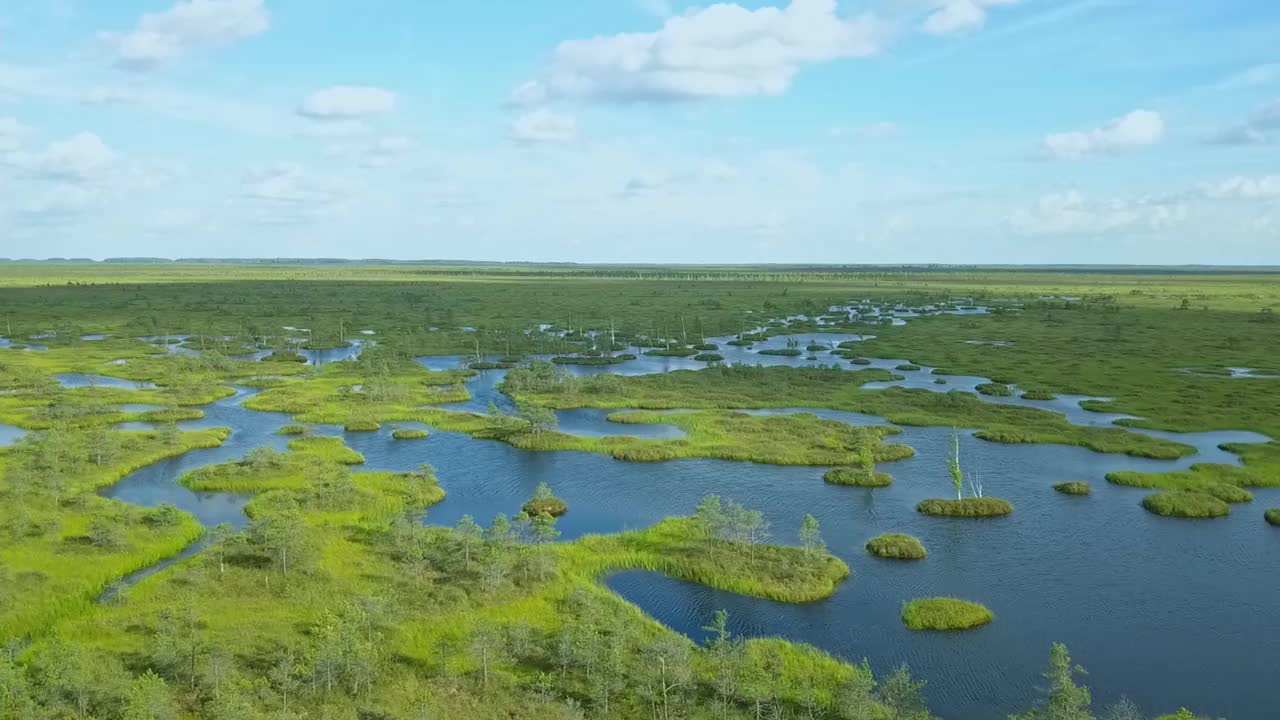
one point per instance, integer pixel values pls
(1074, 487)
(1185, 504)
(897, 546)
(970, 507)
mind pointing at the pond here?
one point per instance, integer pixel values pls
(9, 435)
(1126, 590)
(80, 380)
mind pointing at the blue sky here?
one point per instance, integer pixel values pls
(957, 131)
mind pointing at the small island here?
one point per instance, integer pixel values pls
(970, 507)
(409, 434)
(1075, 487)
(1186, 504)
(858, 477)
(897, 546)
(994, 389)
(293, 429)
(544, 501)
(361, 426)
(1273, 516)
(944, 613)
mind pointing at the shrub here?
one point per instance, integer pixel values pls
(994, 389)
(1273, 516)
(1038, 395)
(293, 429)
(361, 426)
(1185, 504)
(544, 502)
(907, 367)
(1077, 487)
(944, 613)
(409, 434)
(857, 477)
(968, 507)
(896, 546)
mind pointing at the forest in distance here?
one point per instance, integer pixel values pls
(368, 491)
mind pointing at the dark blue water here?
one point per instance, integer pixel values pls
(1128, 591)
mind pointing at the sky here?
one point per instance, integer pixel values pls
(789, 131)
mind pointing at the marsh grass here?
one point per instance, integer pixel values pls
(409, 433)
(1219, 482)
(994, 389)
(1075, 487)
(970, 507)
(896, 546)
(1039, 395)
(1272, 516)
(294, 429)
(857, 477)
(1185, 504)
(944, 613)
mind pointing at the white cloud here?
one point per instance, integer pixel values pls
(1070, 213)
(347, 102)
(290, 183)
(1136, 129)
(959, 16)
(12, 134)
(188, 26)
(83, 157)
(544, 126)
(724, 50)
(1261, 127)
(1240, 187)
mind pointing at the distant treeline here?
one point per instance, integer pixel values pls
(694, 270)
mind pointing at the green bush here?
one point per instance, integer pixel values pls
(896, 546)
(1273, 516)
(944, 613)
(1076, 487)
(1185, 504)
(995, 389)
(552, 506)
(968, 507)
(361, 426)
(858, 477)
(409, 434)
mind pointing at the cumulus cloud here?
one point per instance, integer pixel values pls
(162, 37)
(950, 17)
(1136, 129)
(81, 158)
(720, 51)
(1240, 187)
(544, 126)
(347, 102)
(1263, 126)
(1071, 213)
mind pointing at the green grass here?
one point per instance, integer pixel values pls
(908, 367)
(896, 546)
(1186, 504)
(969, 507)
(293, 429)
(361, 426)
(1038, 395)
(944, 613)
(1272, 516)
(857, 477)
(409, 433)
(552, 506)
(1075, 487)
(1218, 481)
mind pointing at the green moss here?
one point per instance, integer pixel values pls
(1185, 504)
(857, 477)
(995, 389)
(409, 434)
(293, 429)
(944, 613)
(970, 507)
(1075, 487)
(1273, 516)
(897, 546)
